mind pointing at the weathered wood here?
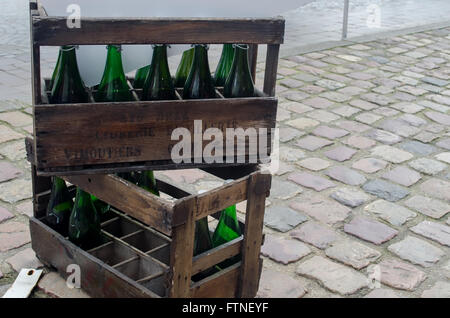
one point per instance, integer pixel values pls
(128, 198)
(97, 278)
(253, 60)
(249, 276)
(181, 251)
(53, 31)
(270, 76)
(216, 255)
(104, 133)
(223, 284)
(39, 185)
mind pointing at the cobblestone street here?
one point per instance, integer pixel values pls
(360, 205)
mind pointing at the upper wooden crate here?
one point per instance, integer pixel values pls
(78, 138)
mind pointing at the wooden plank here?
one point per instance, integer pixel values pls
(39, 185)
(182, 250)
(249, 276)
(216, 255)
(128, 198)
(104, 133)
(270, 76)
(223, 284)
(253, 60)
(228, 172)
(97, 278)
(53, 31)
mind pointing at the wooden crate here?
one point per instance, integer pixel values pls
(94, 138)
(148, 248)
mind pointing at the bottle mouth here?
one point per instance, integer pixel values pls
(159, 45)
(117, 46)
(241, 46)
(206, 46)
(67, 48)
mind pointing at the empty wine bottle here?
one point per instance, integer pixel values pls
(147, 181)
(55, 70)
(113, 86)
(239, 82)
(228, 227)
(59, 207)
(159, 85)
(67, 85)
(84, 223)
(184, 68)
(224, 66)
(141, 75)
(199, 83)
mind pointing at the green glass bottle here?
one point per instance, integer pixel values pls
(113, 86)
(100, 206)
(224, 66)
(68, 86)
(147, 181)
(199, 83)
(56, 70)
(141, 75)
(59, 207)
(159, 85)
(228, 227)
(84, 223)
(184, 68)
(239, 82)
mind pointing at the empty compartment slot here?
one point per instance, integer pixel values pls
(113, 253)
(156, 285)
(145, 241)
(161, 253)
(140, 269)
(120, 227)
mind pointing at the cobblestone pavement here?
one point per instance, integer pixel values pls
(362, 197)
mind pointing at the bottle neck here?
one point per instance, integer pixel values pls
(200, 61)
(58, 184)
(241, 58)
(83, 199)
(114, 66)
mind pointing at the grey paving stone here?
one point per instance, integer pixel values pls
(340, 153)
(417, 251)
(274, 284)
(15, 190)
(444, 143)
(287, 134)
(284, 190)
(321, 208)
(352, 253)
(428, 166)
(398, 127)
(385, 190)
(370, 165)
(437, 188)
(315, 234)
(391, 154)
(439, 290)
(444, 157)
(282, 218)
(428, 206)
(290, 154)
(402, 175)
(350, 197)
(360, 142)
(329, 132)
(417, 147)
(314, 164)
(303, 123)
(440, 118)
(283, 250)
(370, 230)
(311, 181)
(398, 274)
(413, 120)
(352, 126)
(8, 171)
(313, 143)
(393, 213)
(382, 293)
(436, 231)
(333, 276)
(383, 136)
(346, 175)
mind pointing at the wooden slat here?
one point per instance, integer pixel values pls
(216, 255)
(53, 31)
(181, 251)
(223, 284)
(249, 276)
(253, 60)
(270, 76)
(39, 185)
(105, 133)
(97, 278)
(128, 198)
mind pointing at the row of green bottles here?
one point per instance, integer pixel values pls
(145, 179)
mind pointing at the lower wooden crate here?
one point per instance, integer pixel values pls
(148, 242)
